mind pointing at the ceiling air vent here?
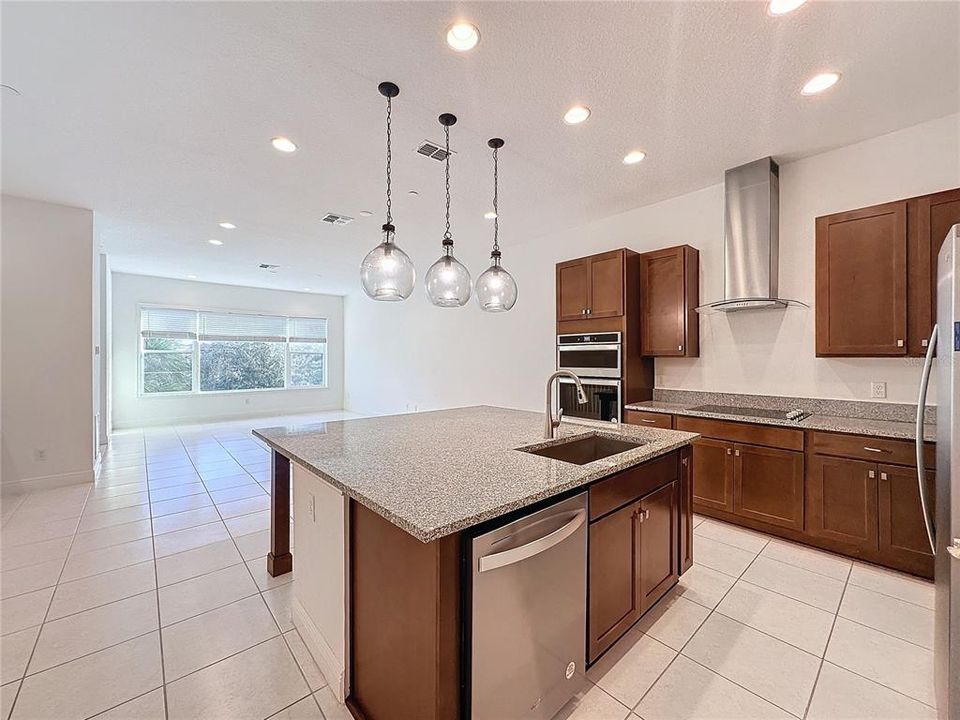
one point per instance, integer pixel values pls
(433, 150)
(334, 219)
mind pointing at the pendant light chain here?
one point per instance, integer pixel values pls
(389, 158)
(496, 207)
(446, 235)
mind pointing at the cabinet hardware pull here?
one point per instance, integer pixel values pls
(737, 453)
(589, 311)
(924, 342)
(871, 474)
(647, 421)
(680, 348)
(873, 449)
(729, 451)
(683, 462)
(899, 343)
(883, 476)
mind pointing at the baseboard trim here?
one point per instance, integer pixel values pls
(322, 653)
(225, 416)
(46, 482)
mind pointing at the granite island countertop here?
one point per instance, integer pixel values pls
(436, 473)
(893, 429)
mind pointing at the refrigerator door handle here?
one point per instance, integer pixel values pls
(921, 467)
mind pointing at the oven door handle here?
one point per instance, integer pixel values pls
(590, 381)
(583, 348)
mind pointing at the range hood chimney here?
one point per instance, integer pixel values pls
(751, 239)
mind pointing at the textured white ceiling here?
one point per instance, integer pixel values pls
(158, 115)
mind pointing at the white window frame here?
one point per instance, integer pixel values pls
(196, 391)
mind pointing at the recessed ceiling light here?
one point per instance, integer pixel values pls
(576, 115)
(633, 157)
(463, 36)
(228, 226)
(284, 144)
(782, 7)
(819, 83)
(490, 215)
(214, 241)
(366, 213)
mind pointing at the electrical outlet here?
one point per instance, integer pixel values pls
(40, 454)
(878, 390)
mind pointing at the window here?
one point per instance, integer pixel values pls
(185, 351)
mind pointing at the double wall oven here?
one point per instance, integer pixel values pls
(597, 359)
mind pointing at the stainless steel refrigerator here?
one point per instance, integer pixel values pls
(943, 519)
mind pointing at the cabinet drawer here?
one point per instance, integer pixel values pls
(632, 484)
(650, 419)
(778, 437)
(864, 447)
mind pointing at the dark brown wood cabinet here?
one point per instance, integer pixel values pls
(929, 218)
(902, 533)
(591, 287)
(861, 282)
(685, 491)
(614, 601)
(670, 293)
(768, 485)
(658, 571)
(713, 474)
(876, 275)
(649, 419)
(842, 502)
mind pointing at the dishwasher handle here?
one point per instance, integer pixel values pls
(534, 547)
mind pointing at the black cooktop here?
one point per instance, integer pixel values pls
(795, 415)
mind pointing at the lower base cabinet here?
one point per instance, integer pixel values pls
(842, 501)
(902, 532)
(634, 559)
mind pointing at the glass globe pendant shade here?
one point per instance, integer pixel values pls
(387, 273)
(448, 282)
(496, 288)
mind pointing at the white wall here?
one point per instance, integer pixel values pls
(412, 355)
(47, 344)
(130, 409)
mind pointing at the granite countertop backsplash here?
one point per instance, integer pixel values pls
(435, 473)
(886, 420)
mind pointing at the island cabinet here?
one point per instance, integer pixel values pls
(749, 471)
(876, 275)
(635, 546)
(669, 295)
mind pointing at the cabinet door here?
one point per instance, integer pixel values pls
(573, 286)
(929, 218)
(861, 271)
(606, 285)
(658, 545)
(685, 491)
(713, 474)
(662, 306)
(613, 572)
(903, 535)
(842, 501)
(768, 485)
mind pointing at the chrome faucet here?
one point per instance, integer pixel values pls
(550, 425)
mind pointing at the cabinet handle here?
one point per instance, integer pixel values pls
(873, 449)
(583, 312)
(683, 462)
(589, 311)
(899, 343)
(883, 476)
(871, 474)
(737, 453)
(729, 451)
(924, 342)
(644, 420)
(680, 348)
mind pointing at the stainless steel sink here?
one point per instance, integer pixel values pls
(583, 450)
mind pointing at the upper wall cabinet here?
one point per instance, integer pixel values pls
(670, 293)
(591, 287)
(875, 276)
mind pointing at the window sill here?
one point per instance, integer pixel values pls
(207, 393)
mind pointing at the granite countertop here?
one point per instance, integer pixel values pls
(832, 423)
(435, 473)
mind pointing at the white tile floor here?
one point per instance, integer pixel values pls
(146, 596)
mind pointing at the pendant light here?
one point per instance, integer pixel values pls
(387, 273)
(448, 281)
(496, 288)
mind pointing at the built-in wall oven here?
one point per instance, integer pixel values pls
(596, 359)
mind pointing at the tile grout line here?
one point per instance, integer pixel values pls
(816, 681)
(36, 640)
(875, 682)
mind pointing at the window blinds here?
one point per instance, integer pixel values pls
(168, 323)
(234, 327)
(307, 330)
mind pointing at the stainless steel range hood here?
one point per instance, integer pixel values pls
(751, 239)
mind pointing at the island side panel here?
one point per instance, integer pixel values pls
(279, 559)
(405, 639)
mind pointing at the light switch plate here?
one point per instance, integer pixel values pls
(878, 390)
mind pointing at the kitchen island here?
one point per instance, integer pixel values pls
(386, 509)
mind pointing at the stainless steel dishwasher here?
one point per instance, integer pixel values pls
(528, 629)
